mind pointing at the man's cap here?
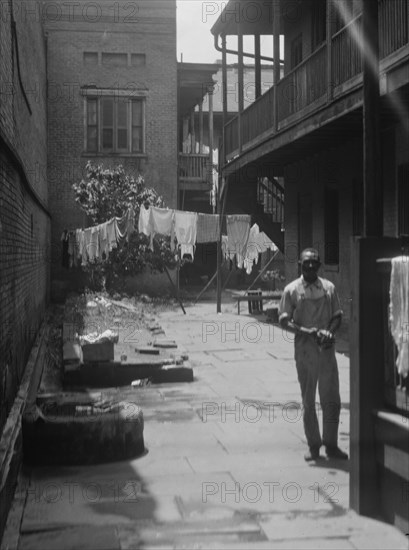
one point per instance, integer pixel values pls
(309, 254)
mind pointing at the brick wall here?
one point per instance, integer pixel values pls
(133, 28)
(24, 222)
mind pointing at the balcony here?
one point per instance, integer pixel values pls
(329, 74)
(195, 172)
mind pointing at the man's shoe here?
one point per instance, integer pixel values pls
(335, 452)
(312, 454)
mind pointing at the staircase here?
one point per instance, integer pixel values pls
(269, 213)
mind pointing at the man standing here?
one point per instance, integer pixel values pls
(310, 309)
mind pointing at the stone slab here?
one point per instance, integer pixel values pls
(74, 538)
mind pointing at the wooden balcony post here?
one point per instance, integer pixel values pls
(201, 127)
(240, 82)
(277, 67)
(257, 65)
(224, 78)
(192, 132)
(329, 51)
(210, 171)
(373, 211)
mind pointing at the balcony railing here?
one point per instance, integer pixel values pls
(346, 52)
(304, 89)
(194, 168)
(259, 117)
(303, 85)
(232, 135)
(393, 26)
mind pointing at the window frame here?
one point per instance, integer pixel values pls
(117, 97)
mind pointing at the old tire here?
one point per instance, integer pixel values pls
(66, 435)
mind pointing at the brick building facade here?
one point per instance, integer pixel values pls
(112, 89)
(24, 215)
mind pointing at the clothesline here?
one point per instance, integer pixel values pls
(81, 246)
(242, 242)
(187, 229)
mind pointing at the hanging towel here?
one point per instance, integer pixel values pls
(238, 230)
(144, 222)
(91, 241)
(253, 248)
(111, 235)
(399, 311)
(208, 228)
(186, 231)
(163, 223)
(82, 254)
(103, 240)
(72, 249)
(125, 225)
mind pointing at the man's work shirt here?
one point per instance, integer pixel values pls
(309, 305)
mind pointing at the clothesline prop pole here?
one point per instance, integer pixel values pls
(262, 271)
(206, 287)
(223, 195)
(175, 289)
(227, 280)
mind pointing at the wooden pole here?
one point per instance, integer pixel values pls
(373, 195)
(175, 289)
(206, 287)
(219, 244)
(240, 84)
(328, 32)
(277, 66)
(201, 127)
(262, 271)
(211, 137)
(224, 84)
(257, 65)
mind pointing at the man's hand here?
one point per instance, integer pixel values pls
(325, 338)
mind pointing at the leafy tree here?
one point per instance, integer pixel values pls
(108, 192)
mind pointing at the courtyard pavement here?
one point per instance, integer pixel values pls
(224, 464)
